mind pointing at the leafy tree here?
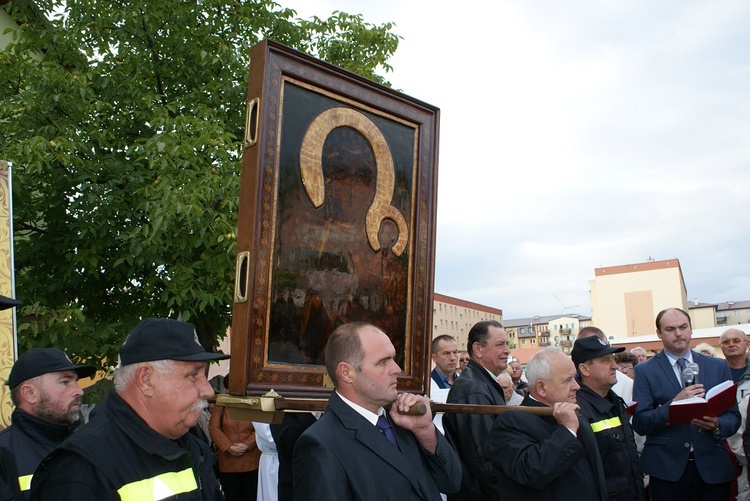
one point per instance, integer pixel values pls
(124, 123)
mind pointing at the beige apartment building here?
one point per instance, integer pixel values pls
(625, 299)
(702, 315)
(455, 317)
(733, 313)
(526, 336)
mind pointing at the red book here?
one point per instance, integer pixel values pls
(630, 407)
(718, 399)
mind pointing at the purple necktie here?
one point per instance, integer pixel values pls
(384, 426)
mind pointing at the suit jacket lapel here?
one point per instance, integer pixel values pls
(373, 439)
(699, 359)
(482, 373)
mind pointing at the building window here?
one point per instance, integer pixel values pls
(736, 313)
(523, 330)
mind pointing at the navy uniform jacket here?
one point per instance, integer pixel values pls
(614, 436)
(344, 457)
(30, 439)
(665, 454)
(118, 457)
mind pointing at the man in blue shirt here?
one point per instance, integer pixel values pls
(445, 356)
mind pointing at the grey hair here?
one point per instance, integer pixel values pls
(124, 374)
(539, 367)
(504, 375)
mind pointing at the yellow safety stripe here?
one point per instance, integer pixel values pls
(24, 482)
(606, 424)
(159, 487)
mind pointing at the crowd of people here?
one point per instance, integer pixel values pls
(592, 425)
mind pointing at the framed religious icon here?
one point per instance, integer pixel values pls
(336, 223)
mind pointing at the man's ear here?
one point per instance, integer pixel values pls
(583, 368)
(541, 388)
(476, 349)
(345, 371)
(28, 393)
(144, 379)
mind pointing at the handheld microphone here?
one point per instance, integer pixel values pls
(696, 371)
(688, 376)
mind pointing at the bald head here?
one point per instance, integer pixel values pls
(733, 334)
(592, 331)
(552, 377)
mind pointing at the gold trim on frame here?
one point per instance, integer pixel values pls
(7, 318)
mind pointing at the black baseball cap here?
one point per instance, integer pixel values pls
(38, 361)
(591, 347)
(8, 302)
(165, 339)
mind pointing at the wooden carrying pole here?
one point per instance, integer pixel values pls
(301, 404)
(271, 409)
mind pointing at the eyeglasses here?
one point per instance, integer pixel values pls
(727, 342)
(625, 368)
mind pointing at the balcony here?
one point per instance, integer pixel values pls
(564, 332)
(565, 343)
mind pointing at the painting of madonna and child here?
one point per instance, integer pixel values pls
(342, 243)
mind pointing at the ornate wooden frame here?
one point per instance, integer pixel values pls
(336, 222)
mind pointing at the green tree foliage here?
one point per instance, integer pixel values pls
(124, 121)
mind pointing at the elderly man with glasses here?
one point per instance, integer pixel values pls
(734, 345)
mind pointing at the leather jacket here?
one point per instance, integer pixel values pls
(469, 433)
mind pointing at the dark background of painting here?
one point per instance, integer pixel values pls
(324, 271)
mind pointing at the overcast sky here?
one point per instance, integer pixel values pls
(576, 135)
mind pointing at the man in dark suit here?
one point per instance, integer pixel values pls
(688, 461)
(547, 457)
(357, 450)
